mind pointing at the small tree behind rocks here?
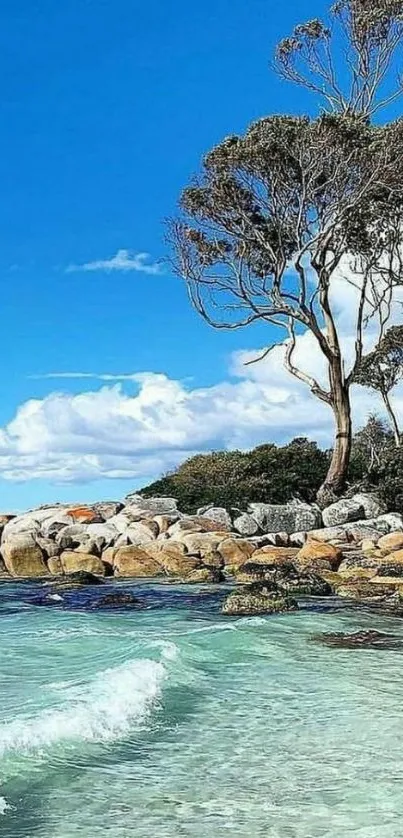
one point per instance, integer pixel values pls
(382, 370)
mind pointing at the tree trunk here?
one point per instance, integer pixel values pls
(393, 420)
(336, 478)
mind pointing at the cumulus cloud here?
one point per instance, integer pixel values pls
(112, 430)
(124, 261)
(111, 433)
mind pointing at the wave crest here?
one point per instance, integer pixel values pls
(99, 711)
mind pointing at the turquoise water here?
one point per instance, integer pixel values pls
(175, 721)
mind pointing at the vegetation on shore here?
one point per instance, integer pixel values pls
(276, 474)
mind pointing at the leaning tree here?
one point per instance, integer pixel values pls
(382, 370)
(282, 215)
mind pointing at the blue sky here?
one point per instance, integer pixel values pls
(106, 110)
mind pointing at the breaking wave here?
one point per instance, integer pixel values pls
(100, 710)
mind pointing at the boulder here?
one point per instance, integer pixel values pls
(259, 572)
(368, 545)
(354, 567)
(49, 548)
(393, 520)
(55, 566)
(23, 556)
(287, 578)
(363, 530)
(72, 562)
(108, 508)
(364, 589)
(327, 534)
(290, 517)
(316, 555)
(236, 552)
(141, 532)
(302, 584)
(298, 539)
(89, 547)
(127, 516)
(136, 562)
(5, 519)
(27, 523)
(391, 542)
(158, 549)
(217, 514)
(271, 539)
(274, 555)
(371, 503)
(179, 565)
(53, 525)
(195, 523)
(164, 522)
(205, 575)
(76, 580)
(198, 544)
(121, 541)
(70, 537)
(213, 559)
(89, 537)
(395, 557)
(246, 525)
(103, 534)
(258, 598)
(342, 512)
(84, 515)
(157, 506)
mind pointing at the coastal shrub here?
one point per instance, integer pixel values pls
(377, 464)
(267, 474)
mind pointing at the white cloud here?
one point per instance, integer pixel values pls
(110, 433)
(124, 260)
(114, 431)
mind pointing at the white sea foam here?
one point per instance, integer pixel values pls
(104, 709)
(4, 807)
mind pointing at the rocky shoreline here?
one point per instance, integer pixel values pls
(272, 553)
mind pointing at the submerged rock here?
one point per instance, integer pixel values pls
(77, 579)
(364, 589)
(116, 600)
(258, 598)
(205, 575)
(287, 577)
(366, 639)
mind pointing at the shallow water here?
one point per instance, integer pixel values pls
(175, 721)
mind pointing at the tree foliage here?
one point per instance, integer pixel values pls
(268, 474)
(376, 463)
(280, 213)
(382, 370)
(371, 32)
